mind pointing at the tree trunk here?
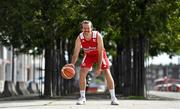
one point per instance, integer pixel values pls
(141, 65)
(128, 67)
(48, 71)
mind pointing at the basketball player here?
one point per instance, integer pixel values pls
(94, 52)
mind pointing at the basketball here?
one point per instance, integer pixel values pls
(67, 72)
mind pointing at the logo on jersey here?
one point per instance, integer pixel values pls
(89, 49)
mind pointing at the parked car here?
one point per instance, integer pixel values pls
(165, 84)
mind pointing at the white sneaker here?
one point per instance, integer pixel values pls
(81, 101)
(114, 101)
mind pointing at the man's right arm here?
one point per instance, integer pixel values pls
(76, 51)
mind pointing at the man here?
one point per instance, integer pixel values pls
(94, 52)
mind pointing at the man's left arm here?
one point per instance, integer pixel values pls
(100, 47)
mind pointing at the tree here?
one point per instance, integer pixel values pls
(137, 23)
(132, 30)
(39, 24)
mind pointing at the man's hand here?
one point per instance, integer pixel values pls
(70, 65)
(98, 72)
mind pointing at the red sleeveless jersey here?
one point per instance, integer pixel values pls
(91, 51)
(89, 46)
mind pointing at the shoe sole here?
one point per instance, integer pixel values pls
(114, 104)
(81, 104)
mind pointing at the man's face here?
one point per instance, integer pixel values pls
(86, 28)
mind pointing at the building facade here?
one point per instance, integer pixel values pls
(17, 71)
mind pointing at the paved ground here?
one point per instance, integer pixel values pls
(91, 104)
(171, 95)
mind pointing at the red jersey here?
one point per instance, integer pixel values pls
(90, 46)
(91, 51)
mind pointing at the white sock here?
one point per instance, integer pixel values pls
(112, 93)
(82, 93)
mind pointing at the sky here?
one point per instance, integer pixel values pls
(164, 60)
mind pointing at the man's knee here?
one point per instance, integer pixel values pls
(84, 71)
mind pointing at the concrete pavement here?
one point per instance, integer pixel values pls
(91, 104)
(170, 95)
(94, 101)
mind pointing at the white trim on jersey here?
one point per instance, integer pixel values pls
(103, 61)
(94, 34)
(81, 35)
(83, 59)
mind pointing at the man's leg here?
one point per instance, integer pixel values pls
(110, 84)
(82, 85)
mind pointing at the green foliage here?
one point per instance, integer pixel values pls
(37, 23)
(34, 23)
(164, 23)
(136, 97)
(157, 20)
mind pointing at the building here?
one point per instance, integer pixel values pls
(19, 73)
(155, 72)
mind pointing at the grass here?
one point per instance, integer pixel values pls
(136, 97)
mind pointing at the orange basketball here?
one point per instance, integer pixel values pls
(67, 72)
